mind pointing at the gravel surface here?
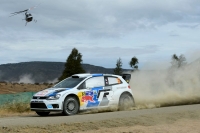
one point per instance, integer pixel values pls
(168, 119)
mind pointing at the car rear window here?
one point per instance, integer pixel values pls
(109, 80)
(126, 77)
(69, 82)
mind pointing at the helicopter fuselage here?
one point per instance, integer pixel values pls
(29, 17)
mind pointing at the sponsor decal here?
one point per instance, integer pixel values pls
(93, 97)
(42, 93)
(37, 101)
(97, 75)
(106, 81)
(49, 106)
(87, 98)
(123, 87)
(80, 95)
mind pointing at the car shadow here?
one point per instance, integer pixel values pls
(58, 114)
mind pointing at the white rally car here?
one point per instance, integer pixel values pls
(82, 92)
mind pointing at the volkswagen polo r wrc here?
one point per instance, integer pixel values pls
(82, 92)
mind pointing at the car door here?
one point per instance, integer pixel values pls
(116, 86)
(93, 93)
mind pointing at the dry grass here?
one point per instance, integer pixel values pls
(5, 113)
(15, 107)
(10, 88)
(18, 108)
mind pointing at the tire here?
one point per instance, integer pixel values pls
(126, 101)
(70, 106)
(43, 113)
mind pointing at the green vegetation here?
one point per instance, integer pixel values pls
(178, 62)
(133, 63)
(72, 65)
(118, 69)
(17, 102)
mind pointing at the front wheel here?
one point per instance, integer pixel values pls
(43, 113)
(126, 102)
(70, 106)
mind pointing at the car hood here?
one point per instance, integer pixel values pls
(50, 91)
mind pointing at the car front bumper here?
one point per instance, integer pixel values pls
(45, 105)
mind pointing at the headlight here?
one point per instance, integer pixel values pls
(55, 97)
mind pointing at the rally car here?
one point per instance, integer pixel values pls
(82, 92)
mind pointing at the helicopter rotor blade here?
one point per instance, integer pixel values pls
(31, 8)
(20, 11)
(15, 13)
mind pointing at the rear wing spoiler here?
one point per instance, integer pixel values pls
(126, 77)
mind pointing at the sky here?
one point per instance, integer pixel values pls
(102, 30)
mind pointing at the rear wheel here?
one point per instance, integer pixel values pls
(43, 113)
(126, 102)
(70, 106)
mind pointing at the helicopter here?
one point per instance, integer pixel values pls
(28, 16)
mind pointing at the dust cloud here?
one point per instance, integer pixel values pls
(27, 78)
(53, 81)
(166, 87)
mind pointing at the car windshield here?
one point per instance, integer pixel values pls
(69, 83)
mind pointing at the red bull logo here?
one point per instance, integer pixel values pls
(87, 98)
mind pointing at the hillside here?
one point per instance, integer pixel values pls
(40, 71)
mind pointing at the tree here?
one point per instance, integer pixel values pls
(178, 62)
(72, 65)
(118, 69)
(133, 63)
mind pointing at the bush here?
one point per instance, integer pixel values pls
(37, 83)
(3, 82)
(45, 83)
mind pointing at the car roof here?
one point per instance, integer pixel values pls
(82, 75)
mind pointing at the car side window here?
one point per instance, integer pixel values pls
(95, 82)
(82, 86)
(109, 80)
(92, 82)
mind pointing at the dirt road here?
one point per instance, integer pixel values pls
(106, 122)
